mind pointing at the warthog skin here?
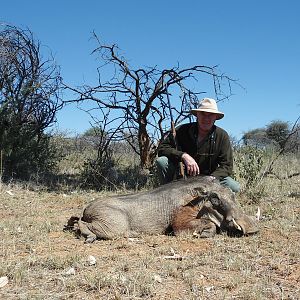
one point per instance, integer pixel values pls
(196, 205)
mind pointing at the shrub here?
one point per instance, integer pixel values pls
(27, 158)
(249, 164)
(99, 174)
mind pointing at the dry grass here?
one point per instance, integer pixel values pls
(36, 254)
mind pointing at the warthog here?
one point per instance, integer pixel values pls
(197, 205)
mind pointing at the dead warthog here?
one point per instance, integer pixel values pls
(197, 205)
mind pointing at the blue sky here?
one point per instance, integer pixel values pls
(256, 42)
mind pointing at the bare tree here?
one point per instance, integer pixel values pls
(29, 99)
(29, 85)
(135, 99)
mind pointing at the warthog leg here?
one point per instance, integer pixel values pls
(104, 221)
(80, 228)
(90, 237)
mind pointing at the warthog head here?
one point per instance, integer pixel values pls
(217, 203)
(234, 220)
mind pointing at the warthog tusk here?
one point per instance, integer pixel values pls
(237, 226)
(258, 215)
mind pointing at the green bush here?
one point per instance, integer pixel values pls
(25, 156)
(249, 163)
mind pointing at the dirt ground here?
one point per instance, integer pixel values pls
(41, 261)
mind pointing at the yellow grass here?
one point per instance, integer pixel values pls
(37, 255)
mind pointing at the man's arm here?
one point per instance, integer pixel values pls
(168, 148)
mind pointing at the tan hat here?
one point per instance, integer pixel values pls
(208, 105)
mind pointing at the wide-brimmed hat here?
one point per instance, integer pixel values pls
(208, 105)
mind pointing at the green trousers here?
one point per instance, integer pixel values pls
(166, 172)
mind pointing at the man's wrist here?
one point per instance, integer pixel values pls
(183, 154)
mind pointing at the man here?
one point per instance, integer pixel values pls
(203, 147)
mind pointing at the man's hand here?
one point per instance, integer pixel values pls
(192, 167)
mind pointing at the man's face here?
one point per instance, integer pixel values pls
(206, 120)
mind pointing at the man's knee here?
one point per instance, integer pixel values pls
(231, 183)
(161, 162)
(165, 169)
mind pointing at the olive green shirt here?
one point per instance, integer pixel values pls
(213, 154)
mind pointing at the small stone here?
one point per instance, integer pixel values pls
(3, 281)
(70, 271)
(209, 288)
(91, 260)
(157, 278)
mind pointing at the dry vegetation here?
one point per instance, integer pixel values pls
(41, 261)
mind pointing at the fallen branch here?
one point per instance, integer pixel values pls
(174, 255)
